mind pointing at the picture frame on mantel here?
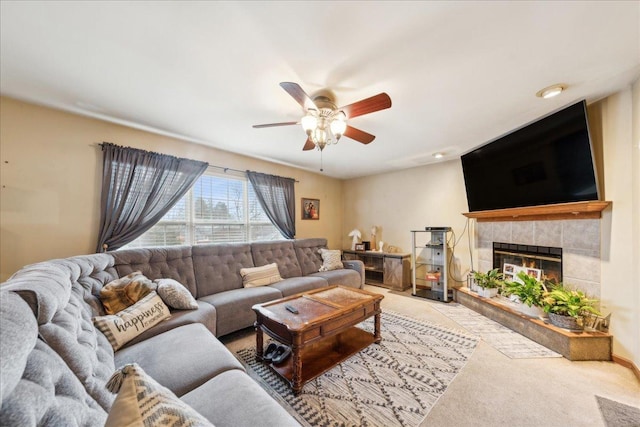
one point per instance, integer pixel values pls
(310, 208)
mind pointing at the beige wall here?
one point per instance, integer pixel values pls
(51, 171)
(621, 225)
(620, 286)
(408, 200)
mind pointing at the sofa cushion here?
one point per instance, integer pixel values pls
(296, 285)
(260, 276)
(125, 325)
(141, 401)
(36, 385)
(344, 277)
(65, 324)
(233, 387)
(18, 337)
(175, 295)
(163, 357)
(125, 291)
(308, 256)
(217, 266)
(281, 252)
(233, 308)
(173, 262)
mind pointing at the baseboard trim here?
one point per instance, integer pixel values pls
(627, 364)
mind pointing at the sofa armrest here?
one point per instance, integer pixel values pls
(357, 265)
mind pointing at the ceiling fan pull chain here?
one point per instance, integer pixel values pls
(321, 169)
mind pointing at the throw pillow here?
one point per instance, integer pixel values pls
(141, 401)
(175, 295)
(124, 326)
(260, 276)
(331, 259)
(125, 291)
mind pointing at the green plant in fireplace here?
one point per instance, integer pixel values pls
(530, 292)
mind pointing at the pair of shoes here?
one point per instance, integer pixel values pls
(281, 354)
(269, 352)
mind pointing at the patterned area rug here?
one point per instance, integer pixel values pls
(394, 383)
(616, 414)
(503, 339)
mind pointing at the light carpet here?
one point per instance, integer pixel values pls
(394, 383)
(616, 414)
(503, 339)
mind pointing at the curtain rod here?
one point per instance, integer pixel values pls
(225, 169)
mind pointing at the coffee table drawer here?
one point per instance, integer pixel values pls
(344, 321)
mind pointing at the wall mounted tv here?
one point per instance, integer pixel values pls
(546, 162)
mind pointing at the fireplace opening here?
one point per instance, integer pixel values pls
(542, 262)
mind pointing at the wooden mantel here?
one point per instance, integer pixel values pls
(577, 210)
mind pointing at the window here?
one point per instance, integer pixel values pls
(218, 208)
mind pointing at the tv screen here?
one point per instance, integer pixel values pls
(546, 162)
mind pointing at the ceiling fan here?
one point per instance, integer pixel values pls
(325, 123)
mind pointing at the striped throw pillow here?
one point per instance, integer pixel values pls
(331, 260)
(122, 327)
(260, 276)
(142, 401)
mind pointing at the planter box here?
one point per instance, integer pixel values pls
(566, 322)
(487, 292)
(533, 311)
(583, 345)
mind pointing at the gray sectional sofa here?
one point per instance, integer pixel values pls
(55, 363)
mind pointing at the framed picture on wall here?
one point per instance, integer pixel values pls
(310, 208)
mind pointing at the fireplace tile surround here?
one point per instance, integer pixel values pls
(579, 240)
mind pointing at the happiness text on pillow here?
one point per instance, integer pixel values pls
(141, 319)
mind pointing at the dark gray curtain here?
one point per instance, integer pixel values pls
(277, 198)
(138, 189)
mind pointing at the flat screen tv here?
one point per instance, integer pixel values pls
(546, 162)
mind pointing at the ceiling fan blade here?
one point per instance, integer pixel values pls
(309, 145)
(358, 135)
(298, 94)
(270, 125)
(377, 102)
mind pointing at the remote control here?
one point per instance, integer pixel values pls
(291, 308)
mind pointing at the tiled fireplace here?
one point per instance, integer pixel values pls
(579, 241)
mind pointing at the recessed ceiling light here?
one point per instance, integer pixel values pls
(438, 155)
(551, 91)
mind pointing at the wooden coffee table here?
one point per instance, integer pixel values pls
(322, 334)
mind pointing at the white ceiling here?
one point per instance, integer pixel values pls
(459, 73)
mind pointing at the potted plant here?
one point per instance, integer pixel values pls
(567, 308)
(488, 283)
(529, 292)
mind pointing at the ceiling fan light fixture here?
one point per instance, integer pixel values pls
(551, 91)
(309, 123)
(338, 125)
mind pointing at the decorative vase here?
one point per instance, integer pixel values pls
(566, 322)
(487, 292)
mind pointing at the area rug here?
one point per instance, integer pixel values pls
(503, 339)
(394, 383)
(616, 414)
